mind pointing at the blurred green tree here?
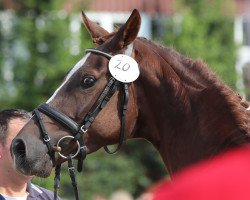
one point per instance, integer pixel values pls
(42, 46)
(204, 29)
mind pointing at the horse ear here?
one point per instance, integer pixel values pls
(96, 32)
(128, 32)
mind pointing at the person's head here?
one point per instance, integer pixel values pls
(11, 122)
(7, 117)
(121, 195)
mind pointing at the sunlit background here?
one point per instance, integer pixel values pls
(41, 40)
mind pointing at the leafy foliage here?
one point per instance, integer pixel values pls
(205, 30)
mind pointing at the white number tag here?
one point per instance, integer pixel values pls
(124, 68)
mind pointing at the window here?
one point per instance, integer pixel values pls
(246, 31)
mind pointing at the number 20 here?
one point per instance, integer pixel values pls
(125, 66)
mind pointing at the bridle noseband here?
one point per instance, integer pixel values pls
(78, 130)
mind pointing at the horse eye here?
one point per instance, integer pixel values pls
(88, 81)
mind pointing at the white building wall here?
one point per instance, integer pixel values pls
(243, 53)
(107, 21)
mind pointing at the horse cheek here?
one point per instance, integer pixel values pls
(107, 124)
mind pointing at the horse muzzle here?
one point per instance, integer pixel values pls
(28, 160)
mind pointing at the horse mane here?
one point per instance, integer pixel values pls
(205, 80)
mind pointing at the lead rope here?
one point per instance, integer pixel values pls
(71, 169)
(57, 180)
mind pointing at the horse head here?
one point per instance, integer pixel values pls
(81, 93)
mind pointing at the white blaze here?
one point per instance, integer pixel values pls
(75, 68)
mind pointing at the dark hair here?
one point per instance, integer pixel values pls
(5, 117)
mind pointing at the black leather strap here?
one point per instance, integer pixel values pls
(44, 134)
(123, 120)
(57, 180)
(72, 176)
(59, 117)
(81, 155)
(98, 106)
(96, 51)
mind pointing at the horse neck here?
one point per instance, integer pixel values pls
(185, 111)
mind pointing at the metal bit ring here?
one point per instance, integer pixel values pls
(58, 145)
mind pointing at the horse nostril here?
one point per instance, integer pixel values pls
(18, 148)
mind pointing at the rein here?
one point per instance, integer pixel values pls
(78, 130)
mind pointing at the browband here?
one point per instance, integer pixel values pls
(108, 56)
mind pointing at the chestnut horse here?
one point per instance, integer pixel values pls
(176, 103)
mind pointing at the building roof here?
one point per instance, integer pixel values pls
(151, 7)
(164, 7)
(243, 7)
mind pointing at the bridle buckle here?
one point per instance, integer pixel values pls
(83, 130)
(46, 138)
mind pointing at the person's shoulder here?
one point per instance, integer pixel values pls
(40, 193)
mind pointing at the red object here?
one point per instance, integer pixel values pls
(226, 176)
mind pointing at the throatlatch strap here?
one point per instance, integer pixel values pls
(123, 120)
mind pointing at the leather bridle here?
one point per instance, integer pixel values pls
(78, 130)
